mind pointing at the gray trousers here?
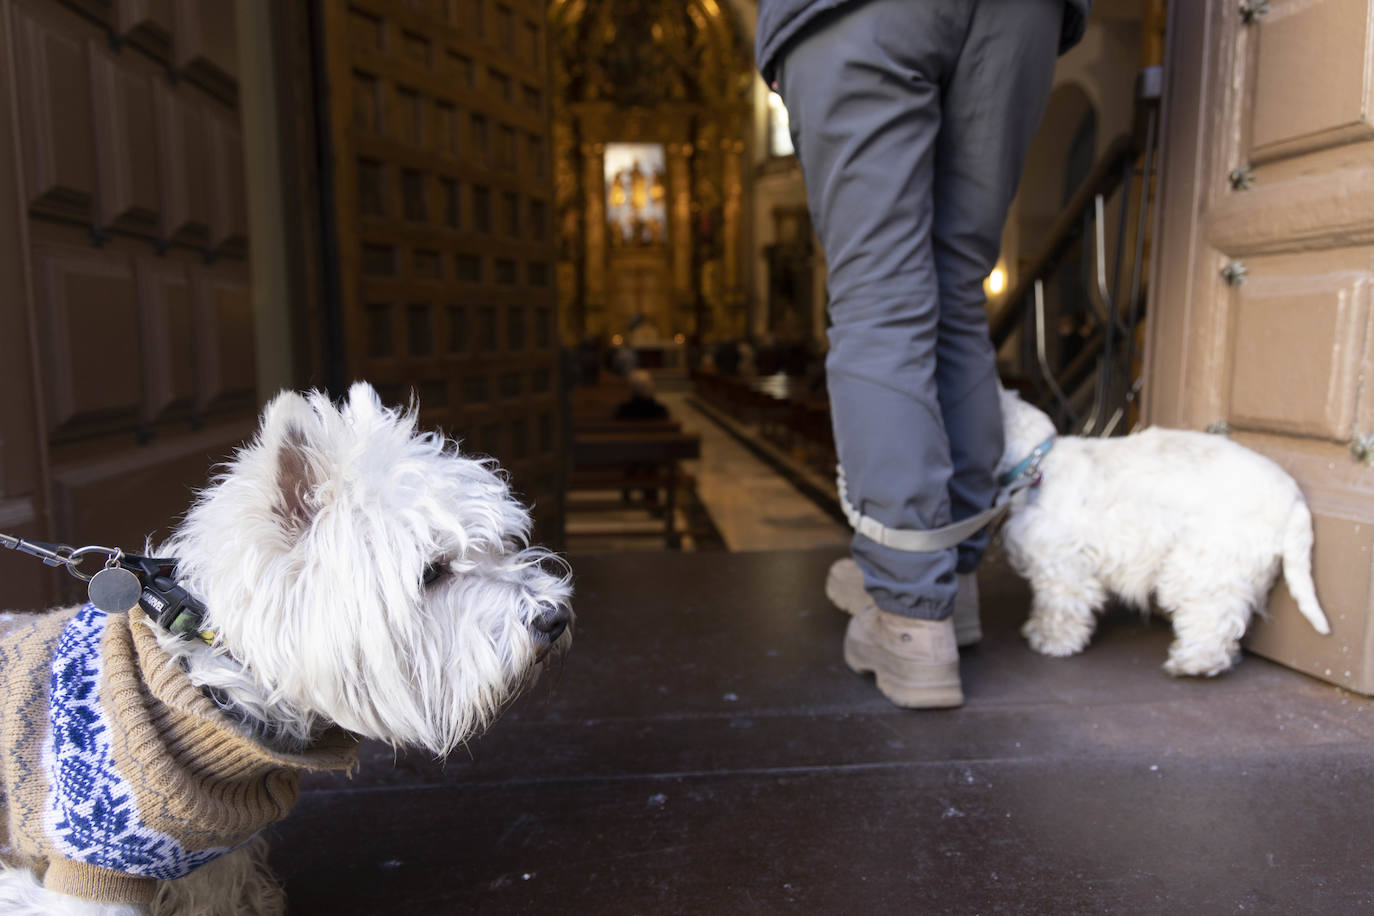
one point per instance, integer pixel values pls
(911, 120)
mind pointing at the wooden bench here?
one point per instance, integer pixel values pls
(600, 401)
(581, 425)
(636, 459)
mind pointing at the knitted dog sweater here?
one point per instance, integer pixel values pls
(115, 770)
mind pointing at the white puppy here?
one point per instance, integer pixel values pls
(357, 578)
(1197, 522)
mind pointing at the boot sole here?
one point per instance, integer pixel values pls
(937, 688)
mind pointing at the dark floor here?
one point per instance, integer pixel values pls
(705, 750)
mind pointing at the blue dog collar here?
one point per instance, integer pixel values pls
(1027, 465)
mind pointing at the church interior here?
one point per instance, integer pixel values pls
(575, 235)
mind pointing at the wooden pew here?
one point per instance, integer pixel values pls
(600, 401)
(635, 459)
(581, 425)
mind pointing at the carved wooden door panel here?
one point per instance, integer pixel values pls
(1261, 314)
(127, 354)
(442, 180)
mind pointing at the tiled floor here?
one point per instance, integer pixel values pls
(705, 750)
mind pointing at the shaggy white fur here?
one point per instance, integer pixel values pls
(1194, 521)
(355, 572)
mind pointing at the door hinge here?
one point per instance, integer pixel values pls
(1362, 448)
(1250, 10)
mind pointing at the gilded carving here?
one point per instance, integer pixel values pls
(593, 197)
(734, 194)
(679, 175)
(666, 72)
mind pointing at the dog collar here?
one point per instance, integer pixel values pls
(1027, 465)
(166, 603)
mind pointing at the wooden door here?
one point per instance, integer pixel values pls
(126, 354)
(1260, 306)
(439, 126)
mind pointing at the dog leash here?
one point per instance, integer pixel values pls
(125, 581)
(1023, 476)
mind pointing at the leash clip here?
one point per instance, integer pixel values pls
(61, 554)
(147, 580)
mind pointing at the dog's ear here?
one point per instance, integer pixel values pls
(361, 394)
(296, 479)
(285, 435)
(363, 402)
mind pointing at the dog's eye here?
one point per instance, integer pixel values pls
(433, 571)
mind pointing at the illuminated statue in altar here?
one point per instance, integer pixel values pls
(639, 191)
(636, 196)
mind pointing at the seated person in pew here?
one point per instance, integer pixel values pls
(642, 405)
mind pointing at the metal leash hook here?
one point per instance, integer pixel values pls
(50, 554)
(74, 563)
(113, 589)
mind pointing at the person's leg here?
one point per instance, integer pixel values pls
(991, 106)
(863, 88)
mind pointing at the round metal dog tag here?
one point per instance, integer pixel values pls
(114, 590)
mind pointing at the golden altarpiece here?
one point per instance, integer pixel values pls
(651, 117)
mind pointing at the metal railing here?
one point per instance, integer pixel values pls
(1125, 169)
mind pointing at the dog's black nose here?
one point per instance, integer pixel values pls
(550, 625)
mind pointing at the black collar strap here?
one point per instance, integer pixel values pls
(168, 604)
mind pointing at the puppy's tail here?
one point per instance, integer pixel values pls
(1297, 565)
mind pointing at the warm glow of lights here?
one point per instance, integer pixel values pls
(679, 339)
(617, 340)
(996, 281)
(779, 140)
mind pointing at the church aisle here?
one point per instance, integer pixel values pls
(752, 506)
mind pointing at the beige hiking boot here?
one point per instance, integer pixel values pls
(844, 586)
(915, 662)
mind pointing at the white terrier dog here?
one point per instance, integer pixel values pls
(1197, 522)
(357, 578)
